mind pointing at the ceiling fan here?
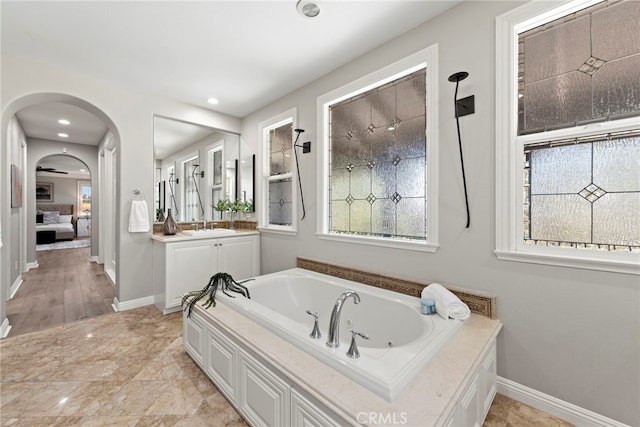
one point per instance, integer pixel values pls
(52, 170)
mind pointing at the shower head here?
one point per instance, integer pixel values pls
(299, 131)
(460, 75)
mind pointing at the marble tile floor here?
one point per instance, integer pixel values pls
(129, 369)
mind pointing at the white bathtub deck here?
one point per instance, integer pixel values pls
(428, 400)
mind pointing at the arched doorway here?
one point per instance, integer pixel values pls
(109, 140)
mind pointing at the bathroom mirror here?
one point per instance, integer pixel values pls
(195, 167)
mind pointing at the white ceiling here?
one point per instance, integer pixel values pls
(246, 54)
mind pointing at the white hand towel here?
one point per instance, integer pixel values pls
(447, 303)
(139, 217)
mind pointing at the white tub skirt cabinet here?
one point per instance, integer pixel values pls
(184, 264)
(260, 393)
(267, 396)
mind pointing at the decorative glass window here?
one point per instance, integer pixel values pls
(378, 161)
(190, 194)
(574, 133)
(379, 155)
(173, 180)
(278, 172)
(215, 181)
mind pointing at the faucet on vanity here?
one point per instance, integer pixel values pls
(333, 340)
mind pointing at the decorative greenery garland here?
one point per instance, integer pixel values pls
(219, 279)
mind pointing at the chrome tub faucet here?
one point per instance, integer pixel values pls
(333, 340)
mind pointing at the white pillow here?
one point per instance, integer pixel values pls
(64, 219)
(50, 217)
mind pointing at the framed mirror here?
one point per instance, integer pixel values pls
(198, 165)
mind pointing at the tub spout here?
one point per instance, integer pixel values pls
(333, 340)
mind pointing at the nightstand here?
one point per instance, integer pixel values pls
(84, 227)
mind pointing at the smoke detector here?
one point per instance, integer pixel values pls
(308, 8)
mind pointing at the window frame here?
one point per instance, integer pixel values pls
(289, 116)
(428, 58)
(509, 150)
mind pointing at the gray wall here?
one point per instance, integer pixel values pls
(15, 143)
(129, 116)
(65, 191)
(570, 333)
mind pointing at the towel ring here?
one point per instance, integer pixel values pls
(137, 195)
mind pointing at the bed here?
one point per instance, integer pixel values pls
(54, 222)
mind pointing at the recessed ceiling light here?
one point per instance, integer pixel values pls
(308, 9)
(83, 170)
(212, 101)
(64, 122)
(63, 135)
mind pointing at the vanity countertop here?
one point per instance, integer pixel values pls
(180, 237)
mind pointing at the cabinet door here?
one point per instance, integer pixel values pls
(239, 256)
(193, 336)
(305, 413)
(469, 406)
(488, 380)
(264, 398)
(188, 268)
(221, 363)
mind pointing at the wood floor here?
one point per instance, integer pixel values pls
(65, 287)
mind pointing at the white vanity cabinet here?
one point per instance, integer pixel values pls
(184, 264)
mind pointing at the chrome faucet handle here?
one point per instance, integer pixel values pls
(315, 334)
(353, 348)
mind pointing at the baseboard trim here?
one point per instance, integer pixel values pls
(5, 328)
(15, 286)
(94, 259)
(31, 265)
(554, 406)
(131, 304)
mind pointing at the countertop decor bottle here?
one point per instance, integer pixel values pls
(169, 226)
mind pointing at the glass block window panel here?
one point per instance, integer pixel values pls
(191, 205)
(377, 154)
(584, 193)
(580, 68)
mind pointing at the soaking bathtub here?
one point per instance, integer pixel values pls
(402, 340)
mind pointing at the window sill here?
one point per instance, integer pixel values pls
(625, 263)
(278, 230)
(383, 242)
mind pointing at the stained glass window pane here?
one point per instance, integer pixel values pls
(580, 68)
(609, 226)
(564, 169)
(378, 161)
(280, 202)
(280, 190)
(584, 194)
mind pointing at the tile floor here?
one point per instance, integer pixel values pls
(129, 369)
